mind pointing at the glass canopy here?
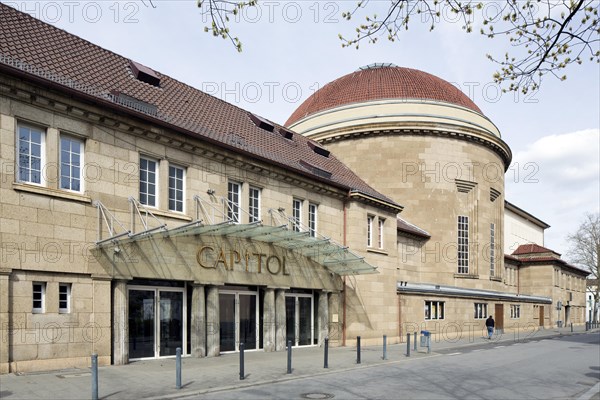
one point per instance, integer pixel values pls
(332, 256)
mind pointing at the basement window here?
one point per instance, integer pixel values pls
(144, 73)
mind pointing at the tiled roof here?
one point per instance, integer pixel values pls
(511, 258)
(59, 56)
(411, 229)
(387, 82)
(531, 248)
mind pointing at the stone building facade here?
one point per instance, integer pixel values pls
(139, 215)
(420, 141)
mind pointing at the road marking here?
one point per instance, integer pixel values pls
(454, 354)
(498, 347)
(590, 393)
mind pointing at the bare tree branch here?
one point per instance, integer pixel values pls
(585, 252)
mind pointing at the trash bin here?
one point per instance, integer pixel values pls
(425, 337)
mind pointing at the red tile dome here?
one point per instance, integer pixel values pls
(380, 82)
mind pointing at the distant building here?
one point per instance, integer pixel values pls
(592, 308)
(139, 214)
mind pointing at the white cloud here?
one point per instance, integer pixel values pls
(557, 178)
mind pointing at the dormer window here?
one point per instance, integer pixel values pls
(262, 123)
(144, 73)
(318, 149)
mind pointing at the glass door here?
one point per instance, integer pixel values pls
(171, 322)
(227, 321)
(248, 322)
(299, 309)
(238, 320)
(156, 322)
(141, 323)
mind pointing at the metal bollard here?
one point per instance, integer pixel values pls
(289, 357)
(358, 349)
(242, 361)
(586, 326)
(428, 344)
(384, 347)
(94, 376)
(178, 368)
(408, 345)
(326, 356)
(415, 343)
(571, 327)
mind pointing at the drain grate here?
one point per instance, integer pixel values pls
(317, 396)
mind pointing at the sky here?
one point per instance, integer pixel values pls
(291, 48)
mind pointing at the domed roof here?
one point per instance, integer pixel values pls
(379, 82)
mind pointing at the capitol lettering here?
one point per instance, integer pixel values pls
(227, 260)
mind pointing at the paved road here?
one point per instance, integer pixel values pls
(566, 367)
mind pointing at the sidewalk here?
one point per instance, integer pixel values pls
(156, 378)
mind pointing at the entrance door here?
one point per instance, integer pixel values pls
(238, 320)
(499, 323)
(541, 316)
(156, 322)
(299, 309)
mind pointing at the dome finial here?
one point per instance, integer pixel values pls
(377, 65)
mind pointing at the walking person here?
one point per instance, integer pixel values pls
(489, 323)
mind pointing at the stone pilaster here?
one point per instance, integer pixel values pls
(198, 322)
(120, 328)
(213, 336)
(280, 321)
(323, 314)
(4, 320)
(268, 327)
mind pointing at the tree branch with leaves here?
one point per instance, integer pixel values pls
(544, 37)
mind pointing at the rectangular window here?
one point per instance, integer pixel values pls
(370, 219)
(380, 223)
(515, 311)
(254, 204)
(31, 154)
(492, 249)
(64, 298)
(234, 193)
(434, 310)
(148, 181)
(463, 244)
(71, 153)
(312, 219)
(39, 297)
(296, 215)
(480, 310)
(176, 188)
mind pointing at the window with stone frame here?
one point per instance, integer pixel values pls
(515, 311)
(148, 182)
(71, 163)
(176, 188)
(31, 153)
(297, 215)
(312, 219)
(254, 204)
(370, 220)
(434, 310)
(463, 244)
(64, 298)
(480, 310)
(234, 195)
(38, 297)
